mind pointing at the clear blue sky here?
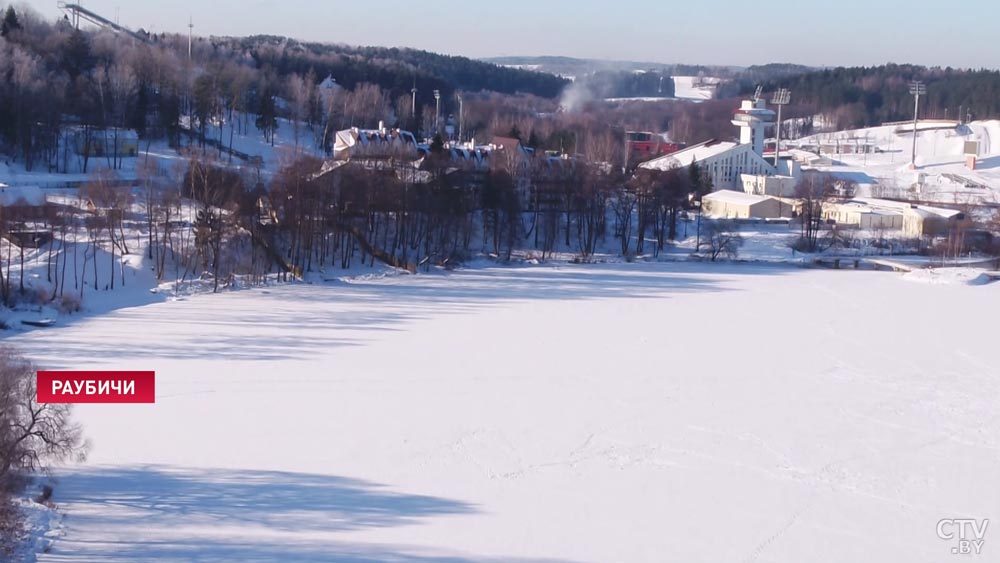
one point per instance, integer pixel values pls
(854, 32)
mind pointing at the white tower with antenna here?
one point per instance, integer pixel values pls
(753, 118)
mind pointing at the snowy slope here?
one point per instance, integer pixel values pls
(630, 412)
(685, 87)
(940, 160)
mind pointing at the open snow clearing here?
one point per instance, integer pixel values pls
(627, 412)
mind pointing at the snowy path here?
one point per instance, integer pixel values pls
(637, 413)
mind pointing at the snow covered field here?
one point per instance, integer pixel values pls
(695, 87)
(942, 175)
(627, 412)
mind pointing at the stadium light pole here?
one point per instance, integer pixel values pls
(413, 102)
(917, 88)
(437, 111)
(461, 117)
(781, 98)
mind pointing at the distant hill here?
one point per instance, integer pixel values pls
(394, 69)
(866, 96)
(570, 66)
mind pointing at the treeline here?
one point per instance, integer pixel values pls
(61, 87)
(867, 96)
(394, 69)
(624, 84)
(384, 210)
(218, 225)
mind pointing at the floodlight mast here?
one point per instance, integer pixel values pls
(781, 98)
(437, 111)
(461, 117)
(413, 100)
(917, 89)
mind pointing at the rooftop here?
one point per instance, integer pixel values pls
(903, 206)
(739, 198)
(694, 153)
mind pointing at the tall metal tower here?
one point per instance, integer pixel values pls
(190, 35)
(917, 89)
(781, 98)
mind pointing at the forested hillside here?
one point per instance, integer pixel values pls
(60, 82)
(394, 69)
(864, 96)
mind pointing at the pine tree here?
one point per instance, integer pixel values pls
(437, 145)
(267, 118)
(533, 141)
(700, 183)
(10, 22)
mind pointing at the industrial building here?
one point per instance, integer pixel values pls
(862, 216)
(913, 220)
(739, 205)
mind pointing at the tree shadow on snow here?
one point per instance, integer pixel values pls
(170, 514)
(297, 320)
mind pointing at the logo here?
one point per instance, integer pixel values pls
(967, 534)
(96, 387)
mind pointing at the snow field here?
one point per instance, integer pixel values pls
(626, 412)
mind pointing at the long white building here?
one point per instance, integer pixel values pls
(727, 162)
(723, 161)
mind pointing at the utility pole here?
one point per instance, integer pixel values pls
(461, 117)
(437, 111)
(781, 98)
(413, 101)
(916, 88)
(190, 35)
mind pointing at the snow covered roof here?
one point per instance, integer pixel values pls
(30, 195)
(903, 206)
(694, 153)
(349, 138)
(803, 155)
(862, 207)
(736, 198)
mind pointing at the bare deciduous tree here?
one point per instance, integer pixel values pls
(813, 189)
(723, 238)
(32, 434)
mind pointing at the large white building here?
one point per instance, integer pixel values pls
(728, 162)
(724, 162)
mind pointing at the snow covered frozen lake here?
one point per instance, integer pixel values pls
(602, 413)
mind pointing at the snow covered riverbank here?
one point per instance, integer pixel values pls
(621, 412)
